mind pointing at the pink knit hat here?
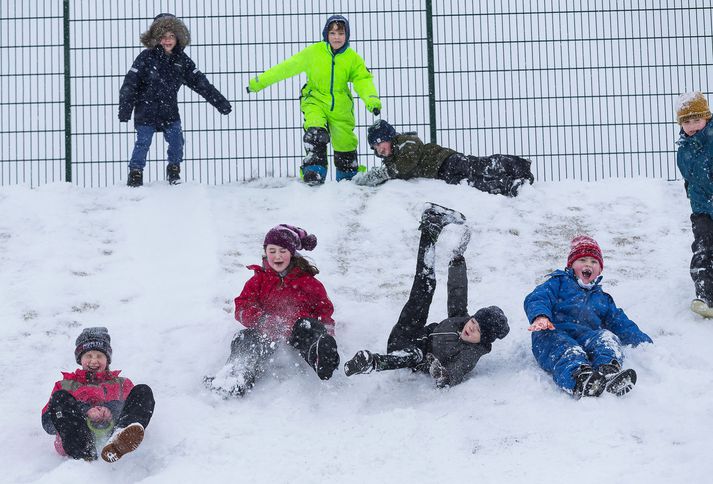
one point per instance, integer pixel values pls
(291, 238)
(584, 246)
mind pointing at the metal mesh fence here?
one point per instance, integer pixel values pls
(585, 92)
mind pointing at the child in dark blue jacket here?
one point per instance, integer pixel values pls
(695, 161)
(577, 330)
(150, 89)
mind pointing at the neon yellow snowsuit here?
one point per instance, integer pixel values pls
(326, 100)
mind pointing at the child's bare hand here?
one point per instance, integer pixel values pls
(541, 323)
(99, 414)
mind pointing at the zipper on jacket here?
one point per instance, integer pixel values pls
(331, 80)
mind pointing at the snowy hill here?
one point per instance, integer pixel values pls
(161, 265)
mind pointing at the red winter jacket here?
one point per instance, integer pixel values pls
(106, 389)
(273, 303)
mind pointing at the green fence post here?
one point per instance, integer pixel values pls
(431, 71)
(67, 99)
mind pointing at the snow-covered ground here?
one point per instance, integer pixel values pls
(160, 266)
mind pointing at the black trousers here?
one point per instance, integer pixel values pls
(316, 346)
(408, 338)
(253, 349)
(702, 260)
(496, 174)
(69, 419)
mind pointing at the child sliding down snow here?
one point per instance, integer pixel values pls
(448, 350)
(282, 301)
(577, 330)
(92, 403)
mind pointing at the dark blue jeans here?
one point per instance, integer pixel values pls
(173, 134)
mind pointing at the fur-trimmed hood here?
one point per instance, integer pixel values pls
(163, 23)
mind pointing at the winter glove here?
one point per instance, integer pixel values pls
(99, 414)
(253, 86)
(373, 104)
(224, 108)
(439, 373)
(541, 323)
(247, 89)
(124, 118)
(375, 176)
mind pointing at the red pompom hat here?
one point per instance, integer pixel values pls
(584, 246)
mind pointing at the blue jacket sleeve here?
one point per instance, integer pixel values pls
(541, 300)
(628, 332)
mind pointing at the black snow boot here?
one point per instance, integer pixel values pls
(323, 356)
(362, 362)
(435, 217)
(314, 165)
(136, 178)
(588, 383)
(617, 381)
(173, 173)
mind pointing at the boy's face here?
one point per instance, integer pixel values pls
(278, 258)
(93, 361)
(383, 149)
(168, 42)
(586, 269)
(336, 36)
(693, 125)
(471, 332)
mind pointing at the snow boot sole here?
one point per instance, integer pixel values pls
(122, 442)
(621, 383)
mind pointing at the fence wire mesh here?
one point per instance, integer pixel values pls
(586, 93)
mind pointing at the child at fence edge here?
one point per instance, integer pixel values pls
(94, 403)
(282, 301)
(695, 161)
(150, 89)
(448, 350)
(577, 330)
(326, 100)
(405, 156)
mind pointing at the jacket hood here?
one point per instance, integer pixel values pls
(347, 32)
(166, 23)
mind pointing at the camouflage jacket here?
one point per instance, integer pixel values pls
(411, 158)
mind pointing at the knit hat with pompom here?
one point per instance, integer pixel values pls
(291, 238)
(584, 246)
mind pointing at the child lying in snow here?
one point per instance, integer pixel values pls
(448, 350)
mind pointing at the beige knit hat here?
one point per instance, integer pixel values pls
(692, 105)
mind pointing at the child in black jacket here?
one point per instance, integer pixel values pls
(150, 89)
(448, 350)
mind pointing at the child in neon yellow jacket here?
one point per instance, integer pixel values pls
(326, 100)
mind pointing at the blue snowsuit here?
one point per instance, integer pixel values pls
(589, 328)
